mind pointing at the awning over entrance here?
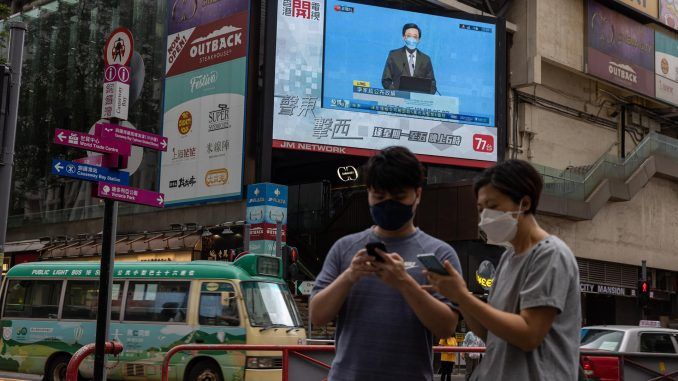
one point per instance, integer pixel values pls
(159, 246)
(23, 246)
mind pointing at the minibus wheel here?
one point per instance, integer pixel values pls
(205, 371)
(56, 370)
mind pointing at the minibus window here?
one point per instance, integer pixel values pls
(82, 297)
(33, 299)
(218, 305)
(157, 301)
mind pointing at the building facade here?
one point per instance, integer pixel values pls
(604, 146)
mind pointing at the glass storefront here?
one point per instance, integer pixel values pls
(62, 88)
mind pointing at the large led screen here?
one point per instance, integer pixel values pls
(352, 77)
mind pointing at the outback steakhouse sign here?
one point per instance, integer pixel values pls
(207, 45)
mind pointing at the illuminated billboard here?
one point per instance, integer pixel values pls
(352, 77)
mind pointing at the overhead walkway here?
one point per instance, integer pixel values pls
(579, 195)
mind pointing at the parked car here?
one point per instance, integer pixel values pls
(620, 338)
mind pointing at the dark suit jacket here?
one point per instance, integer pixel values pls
(396, 67)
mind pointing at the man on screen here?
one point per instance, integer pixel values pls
(408, 61)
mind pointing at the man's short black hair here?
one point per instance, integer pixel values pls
(411, 26)
(514, 178)
(394, 169)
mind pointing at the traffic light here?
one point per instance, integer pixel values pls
(289, 260)
(643, 293)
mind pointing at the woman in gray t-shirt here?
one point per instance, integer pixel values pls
(532, 318)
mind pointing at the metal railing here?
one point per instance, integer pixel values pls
(288, 351)
(112, 347)
(573, 185)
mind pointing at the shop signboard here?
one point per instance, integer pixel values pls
(668, 13)
(666, 67)
(647, 7)
(204, 103)
(593, 288)
(620, 50)
(184, 14)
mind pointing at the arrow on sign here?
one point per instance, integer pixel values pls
(160, 200)
(61, 136)
(163, 144)
(58, 166)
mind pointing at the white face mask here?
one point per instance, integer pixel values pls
(500, 227)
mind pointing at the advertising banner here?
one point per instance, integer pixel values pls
(335, 95)
(620, 49)
(266, 207)
(204, 103)
(666, 67)
(648, 7)
(668, 13)
(184, 14)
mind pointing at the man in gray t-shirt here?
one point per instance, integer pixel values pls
(379, 337)
(547, 276)
(385, 318)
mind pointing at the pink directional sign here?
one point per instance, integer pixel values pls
(91, 142)
(129, 194)
(134, 137)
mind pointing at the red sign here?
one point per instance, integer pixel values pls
(483, 143)
(266, 232)
(91, 142)
(134, 137)
(206, 45)
(119, 47)
(131, 195)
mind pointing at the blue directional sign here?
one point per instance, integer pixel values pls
(88, 172)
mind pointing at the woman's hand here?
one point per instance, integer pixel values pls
(452, 285)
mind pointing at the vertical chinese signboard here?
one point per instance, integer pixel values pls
(204, 102)
(620, 49)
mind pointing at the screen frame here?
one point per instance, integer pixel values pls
(270, 51)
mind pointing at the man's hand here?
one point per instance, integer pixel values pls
(452, 285)
(361, 265)
(392, 270)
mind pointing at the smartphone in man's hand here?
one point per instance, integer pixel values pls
(371, 250)
(432, 263)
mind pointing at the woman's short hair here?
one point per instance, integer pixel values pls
(514, 178)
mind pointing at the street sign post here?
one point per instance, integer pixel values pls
(129, 194)
(304, 287)
(116, 92)
(91, 143)
(134, 137)
(114, 142)
(88, 172)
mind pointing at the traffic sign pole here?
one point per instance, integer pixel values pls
(105, 286)
(121, 49)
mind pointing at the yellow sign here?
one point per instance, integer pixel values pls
(485, 282)
(361, 83)
(649, 7)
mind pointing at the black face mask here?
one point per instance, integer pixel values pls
(391, 215)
